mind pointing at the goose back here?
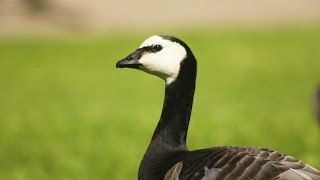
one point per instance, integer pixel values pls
(231, 163)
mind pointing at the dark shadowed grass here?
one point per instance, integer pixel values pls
(66, 112)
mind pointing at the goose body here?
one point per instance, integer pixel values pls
(167, 156)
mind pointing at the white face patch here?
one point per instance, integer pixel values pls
(164, 63)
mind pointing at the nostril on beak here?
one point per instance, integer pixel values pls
(131, 57)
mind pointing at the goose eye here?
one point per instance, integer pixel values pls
(156, 48)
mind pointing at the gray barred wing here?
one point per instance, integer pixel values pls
(243, 163)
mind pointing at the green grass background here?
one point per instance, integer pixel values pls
(66, 112)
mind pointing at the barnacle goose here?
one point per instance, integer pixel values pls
(167, 156)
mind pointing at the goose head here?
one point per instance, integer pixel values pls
(159, 55)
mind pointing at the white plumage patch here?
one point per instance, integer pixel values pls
(212, 173)
(166, 62)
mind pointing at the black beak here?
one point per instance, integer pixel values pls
(131, 61)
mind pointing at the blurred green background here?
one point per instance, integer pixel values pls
(66, 112)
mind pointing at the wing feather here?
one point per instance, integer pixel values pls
(229, 163)
(174, 171)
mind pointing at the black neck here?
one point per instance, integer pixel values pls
(171, 131)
